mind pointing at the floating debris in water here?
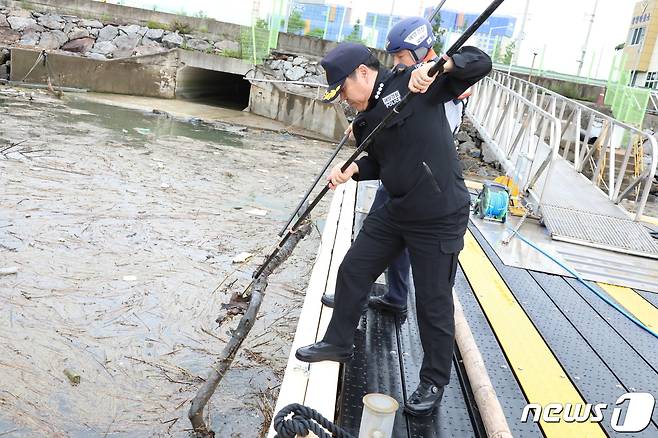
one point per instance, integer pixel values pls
(257, 212)
(73, 377)
(242, 257)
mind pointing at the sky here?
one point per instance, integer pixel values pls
(555, 29)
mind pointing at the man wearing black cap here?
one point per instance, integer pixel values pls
(429, 205)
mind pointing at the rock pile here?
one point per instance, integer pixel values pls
(95, 39)
(294, 68)
(475, 156)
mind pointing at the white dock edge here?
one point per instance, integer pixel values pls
(316, 385)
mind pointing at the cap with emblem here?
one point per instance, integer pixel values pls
(339, 63)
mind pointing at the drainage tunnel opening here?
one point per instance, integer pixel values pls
(212, 87)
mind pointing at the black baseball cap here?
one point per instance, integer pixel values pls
(339, 63)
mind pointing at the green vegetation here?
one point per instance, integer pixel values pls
(25, 5)
(295, 23)
(231, 53)
(180, 27)
(439, 32)
(316, 33)
(509, 53)
(355, 35)
(157, 25)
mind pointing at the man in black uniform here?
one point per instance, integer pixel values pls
(415, 157)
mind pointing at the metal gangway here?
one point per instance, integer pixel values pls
(586, 174)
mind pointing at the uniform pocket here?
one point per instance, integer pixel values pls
(429, 173)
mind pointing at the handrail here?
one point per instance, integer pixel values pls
(524, 137)
(592, 150)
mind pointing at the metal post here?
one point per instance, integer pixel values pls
(534, 55)
(390, 17)
(521, 36)
(342, 23)
(326, 23)
(589, 31)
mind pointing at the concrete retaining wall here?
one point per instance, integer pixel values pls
(568, 89)
(299, 111)
(318, 47)
(149, 75)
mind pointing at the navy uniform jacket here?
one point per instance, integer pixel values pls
(414, 154)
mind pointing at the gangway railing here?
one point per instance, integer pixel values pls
(524, 137)
(597, 145)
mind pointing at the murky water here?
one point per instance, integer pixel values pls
(122, 225)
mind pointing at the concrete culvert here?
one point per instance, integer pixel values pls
(213, 87)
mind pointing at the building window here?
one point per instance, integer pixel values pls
(636, 35)
(651, 80)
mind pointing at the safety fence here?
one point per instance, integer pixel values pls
(619, 159)
(524, 137)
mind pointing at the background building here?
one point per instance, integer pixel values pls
(328, 21)
(640, 54)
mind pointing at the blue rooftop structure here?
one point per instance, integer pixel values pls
(335, 18)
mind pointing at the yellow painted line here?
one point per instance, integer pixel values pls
(541, 376)
(649, 219)
(634, 303)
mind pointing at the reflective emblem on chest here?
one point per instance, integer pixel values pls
(392, 99)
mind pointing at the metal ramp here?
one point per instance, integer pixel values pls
(574, 210)
(575, 178)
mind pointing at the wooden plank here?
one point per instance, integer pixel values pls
(295, 379)
(323, 376)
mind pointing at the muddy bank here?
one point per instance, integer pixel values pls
(122, 225)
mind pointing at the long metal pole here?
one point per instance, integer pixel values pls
(436, 68)
(317, 178)
(338, 148)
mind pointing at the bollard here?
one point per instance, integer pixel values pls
(378, 416)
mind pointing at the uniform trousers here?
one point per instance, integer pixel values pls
(434, 263)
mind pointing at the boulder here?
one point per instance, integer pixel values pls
(3, 21)
(91, 23)
(148, 47)
(462, 136)
(79, 45)
(4, 71)
(172, 40)
(108, 33)
(68, 27)
(103, 47)
(475, 153)
(125, 44)
(227, 45)
(77, 33)
(97, 56)
(130, 29)
(287, 65)
(488, 154)
(20, 23)
(53, 22)
(154, 34)
(295, 73)
(299, 60)
(35, 28)
(30, 39)
(8, 35)
(93, 32)
(50, 41)
(198, 44)
(4, 55)
(276, 64)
